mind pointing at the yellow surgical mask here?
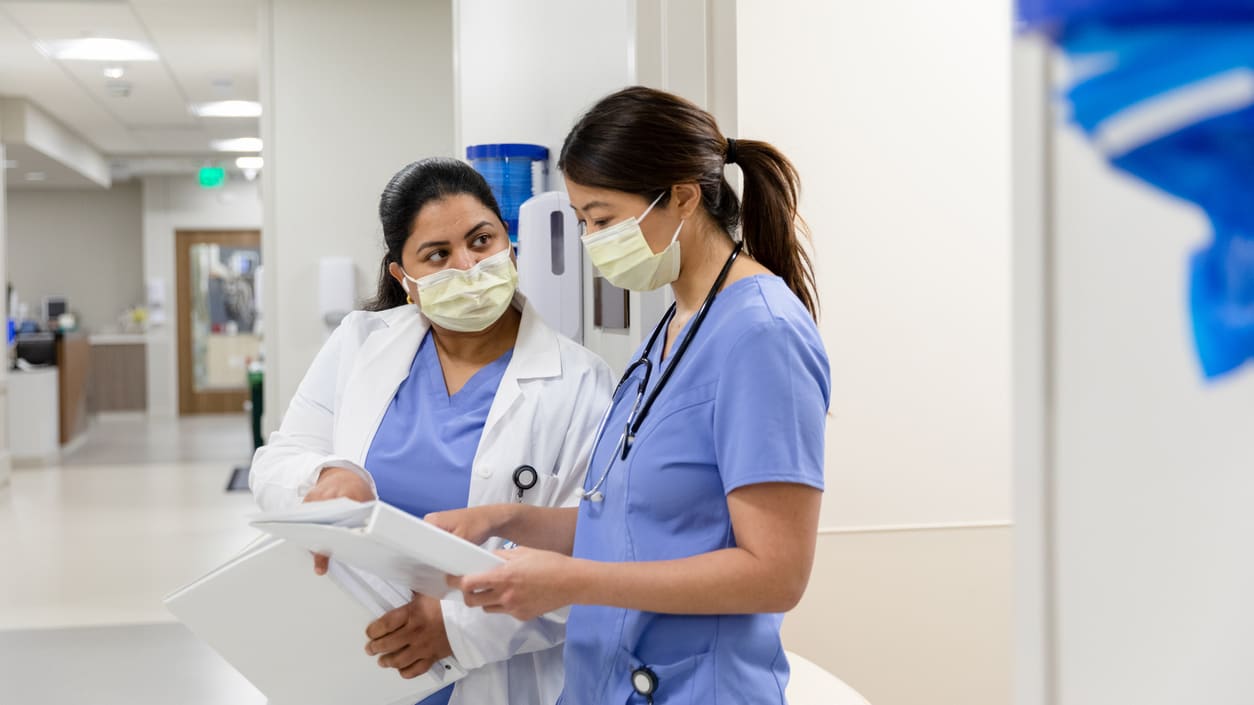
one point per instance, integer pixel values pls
(624, 257)
(468, 300)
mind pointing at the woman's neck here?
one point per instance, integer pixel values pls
(482, 347)
(703, 259)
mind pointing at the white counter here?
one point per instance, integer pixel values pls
(34, 411)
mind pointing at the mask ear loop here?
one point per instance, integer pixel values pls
(676, 235)
(409, 297)
(650, 208)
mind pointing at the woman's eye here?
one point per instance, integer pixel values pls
(483, 239)
(437, 256)
(596, 225)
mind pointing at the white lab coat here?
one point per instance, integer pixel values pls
(545, 413)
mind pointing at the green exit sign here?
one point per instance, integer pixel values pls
(212, 176)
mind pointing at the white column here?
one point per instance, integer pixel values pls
(5, 457)
(1136, 527)
(352, 92)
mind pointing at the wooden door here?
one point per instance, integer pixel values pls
(216, 318)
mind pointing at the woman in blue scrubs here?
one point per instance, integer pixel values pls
(697, 524)
(449, 392)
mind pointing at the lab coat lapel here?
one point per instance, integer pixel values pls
(384, 362)
(536, 355)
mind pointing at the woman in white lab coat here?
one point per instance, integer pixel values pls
(435, 399)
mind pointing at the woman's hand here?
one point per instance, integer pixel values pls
(334, 483)
(410, 638)
(475, 524)
(530, 583)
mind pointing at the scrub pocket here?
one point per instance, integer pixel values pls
(679, 683)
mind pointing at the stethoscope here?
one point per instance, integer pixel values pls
(525, 477)
(636, 417)
(644, 682)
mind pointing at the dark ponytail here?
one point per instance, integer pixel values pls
(772, 229)
(643, 141)
(403, 198)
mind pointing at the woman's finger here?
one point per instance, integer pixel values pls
(478, 598)
(416, 669)
(390, 643)
(404, 658)
(388, 623)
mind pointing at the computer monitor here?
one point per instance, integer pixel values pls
(54, 306)
(37, 348)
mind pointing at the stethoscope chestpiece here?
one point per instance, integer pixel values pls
(593, 496)
(644, 681)
(525, 477)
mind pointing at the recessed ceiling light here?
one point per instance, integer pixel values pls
(114, 72)
(227, 108)
(10, 163)
(36, 176)
(97, 49)
(249, 163)
(239, 144)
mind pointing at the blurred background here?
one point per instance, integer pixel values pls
(1036, 494)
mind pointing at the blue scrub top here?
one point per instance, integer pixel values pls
(747, 405)
(422, 454)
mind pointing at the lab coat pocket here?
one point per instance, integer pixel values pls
(678, 683)
(542, 494)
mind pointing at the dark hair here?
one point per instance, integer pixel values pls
(404, 197)
(644, 141)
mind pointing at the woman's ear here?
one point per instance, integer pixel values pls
(398, 274)
(686, 198)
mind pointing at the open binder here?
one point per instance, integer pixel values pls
(382, 540)
(300, 638)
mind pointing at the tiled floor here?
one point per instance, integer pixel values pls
(89, 548)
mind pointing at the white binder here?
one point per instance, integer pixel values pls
(380, 539)
(298, 637)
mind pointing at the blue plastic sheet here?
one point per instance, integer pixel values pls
(1168, 96)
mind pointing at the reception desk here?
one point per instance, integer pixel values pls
(119, 373)
(73, 366)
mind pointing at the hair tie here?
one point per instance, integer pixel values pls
(731, 151)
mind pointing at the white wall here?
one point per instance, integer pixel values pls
(85, 245)
(1148, 481)
(170, 204)
(903, 141)
(337, 125)
(517, 83)
(527, 71)
(896, 114)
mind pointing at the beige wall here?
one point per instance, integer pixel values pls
(85, 245)
(911, 617)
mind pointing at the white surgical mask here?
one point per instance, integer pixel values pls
(468, 300)
(624, 257)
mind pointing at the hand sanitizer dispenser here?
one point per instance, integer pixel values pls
(550, 262)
